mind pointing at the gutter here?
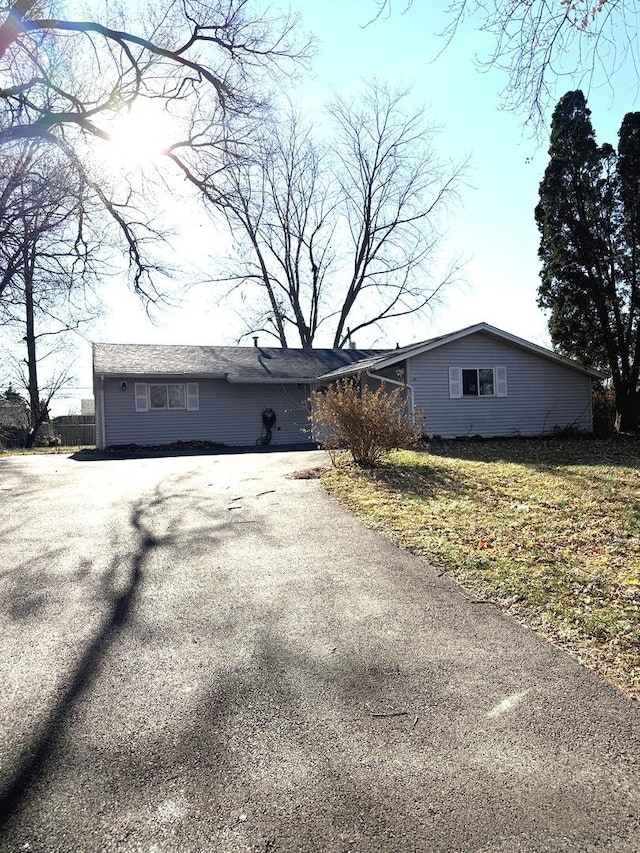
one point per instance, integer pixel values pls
(380, 378)
(150, 376)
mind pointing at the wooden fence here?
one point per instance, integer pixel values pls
(75, 429)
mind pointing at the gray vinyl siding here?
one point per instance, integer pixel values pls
(542, 395)
(229, 413)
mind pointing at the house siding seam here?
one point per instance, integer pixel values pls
(542, 396)
(228, 414)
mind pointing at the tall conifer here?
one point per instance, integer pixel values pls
(589, 220)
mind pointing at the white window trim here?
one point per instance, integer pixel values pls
(142, 397)
(499, 383)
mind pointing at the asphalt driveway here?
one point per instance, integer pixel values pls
(200, 654)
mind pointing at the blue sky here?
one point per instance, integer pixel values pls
(493, 225)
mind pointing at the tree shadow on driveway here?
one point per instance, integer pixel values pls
(118, 593)
(253, 686)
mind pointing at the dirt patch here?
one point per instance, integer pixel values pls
(308, 473)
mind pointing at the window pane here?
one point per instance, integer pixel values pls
(176, 397)
(486, 382)
(470, 383)
(158, 396)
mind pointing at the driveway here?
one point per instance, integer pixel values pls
(200, 654)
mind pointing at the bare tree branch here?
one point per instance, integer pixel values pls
(193, 48)
(66, 83)
(322, 230)
(394, 188)
(536, 42)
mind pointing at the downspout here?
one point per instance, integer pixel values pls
(394, 382)
(103, 422)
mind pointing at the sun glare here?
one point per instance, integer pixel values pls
(138, 137)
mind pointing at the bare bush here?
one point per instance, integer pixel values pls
(367, 422)
(604, 411)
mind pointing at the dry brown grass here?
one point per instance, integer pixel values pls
(549, 530)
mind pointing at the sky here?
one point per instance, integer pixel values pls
(492, 227)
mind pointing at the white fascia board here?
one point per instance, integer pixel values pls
(195, 377)
(425, 346)
(392, 359)
(349, 370)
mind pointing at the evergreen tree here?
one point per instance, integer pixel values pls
(12, 396)
(589, 220)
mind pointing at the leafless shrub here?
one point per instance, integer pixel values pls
(367, 422)
(604, 411)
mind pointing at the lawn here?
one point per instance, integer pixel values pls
(546, 529)
(44, 451)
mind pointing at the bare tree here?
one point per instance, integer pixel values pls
(394, 191)
(281, 201)
(341, 236)
(184, 51)
(59, 375)
(536, 41)
(49, 254)
(65, 83)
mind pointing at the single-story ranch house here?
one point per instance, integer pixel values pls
(476, 381)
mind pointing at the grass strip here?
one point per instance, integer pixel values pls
(546, 529)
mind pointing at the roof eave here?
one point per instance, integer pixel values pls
(342, 374)
(128, 374)
(235, 380)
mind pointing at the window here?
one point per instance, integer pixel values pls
(176, 397)
(167, 395)
(477, 382)
(158, 396)
(171, 396)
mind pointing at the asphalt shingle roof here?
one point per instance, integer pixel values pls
(237, 364)
(377, 357)
(381, 360)
(272, 364)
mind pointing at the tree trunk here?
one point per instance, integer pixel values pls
(628, 411)
(35, 419)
